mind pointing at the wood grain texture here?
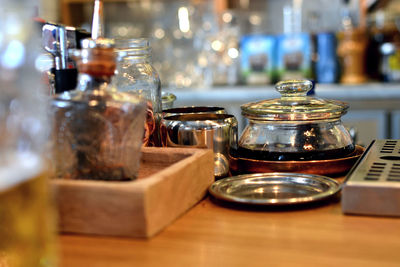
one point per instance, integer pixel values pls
(213, 235)
(171, 180)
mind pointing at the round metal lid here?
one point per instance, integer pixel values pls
(274, 188)
(294, 105)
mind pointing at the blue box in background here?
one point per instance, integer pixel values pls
(257, 59)
(326, 65)
(294, 56)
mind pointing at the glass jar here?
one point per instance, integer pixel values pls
(27, 217)
(390, 62)
(136, 75)
(383, 43)
(98, 131)
(294, 127)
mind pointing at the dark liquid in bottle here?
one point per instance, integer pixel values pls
(287, 156)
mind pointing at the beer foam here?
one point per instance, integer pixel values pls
(17, 167)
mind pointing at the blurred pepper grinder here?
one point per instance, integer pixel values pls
(352, 48)
(351, 52)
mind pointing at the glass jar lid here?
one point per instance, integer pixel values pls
(133, 47)
(294, 105)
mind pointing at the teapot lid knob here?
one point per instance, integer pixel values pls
(291, 88)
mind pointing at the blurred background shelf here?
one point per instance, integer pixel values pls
(193, 63)
(356, 92)
(71, 10)
(199, 43)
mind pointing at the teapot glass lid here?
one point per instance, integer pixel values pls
(294, 105)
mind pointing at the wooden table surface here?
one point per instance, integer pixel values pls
(215, 235)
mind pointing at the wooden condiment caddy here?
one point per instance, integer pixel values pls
(171, 181)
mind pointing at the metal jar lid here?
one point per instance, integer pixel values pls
(294, 105)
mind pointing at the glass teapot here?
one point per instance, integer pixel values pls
(294, 127)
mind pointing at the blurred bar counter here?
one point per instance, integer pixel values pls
(246, 93)
(374, 107)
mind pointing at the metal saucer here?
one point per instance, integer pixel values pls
(274, 189)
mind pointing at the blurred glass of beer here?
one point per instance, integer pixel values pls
(27, 236)
(27, 221)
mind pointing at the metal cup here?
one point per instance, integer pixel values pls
(193, 110)
(218, 132)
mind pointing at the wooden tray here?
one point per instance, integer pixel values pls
(171, 181)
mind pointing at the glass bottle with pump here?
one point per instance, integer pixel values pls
(136, 75)
(98, 131)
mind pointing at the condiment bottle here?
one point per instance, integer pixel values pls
(136, 75)
(98, 131)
